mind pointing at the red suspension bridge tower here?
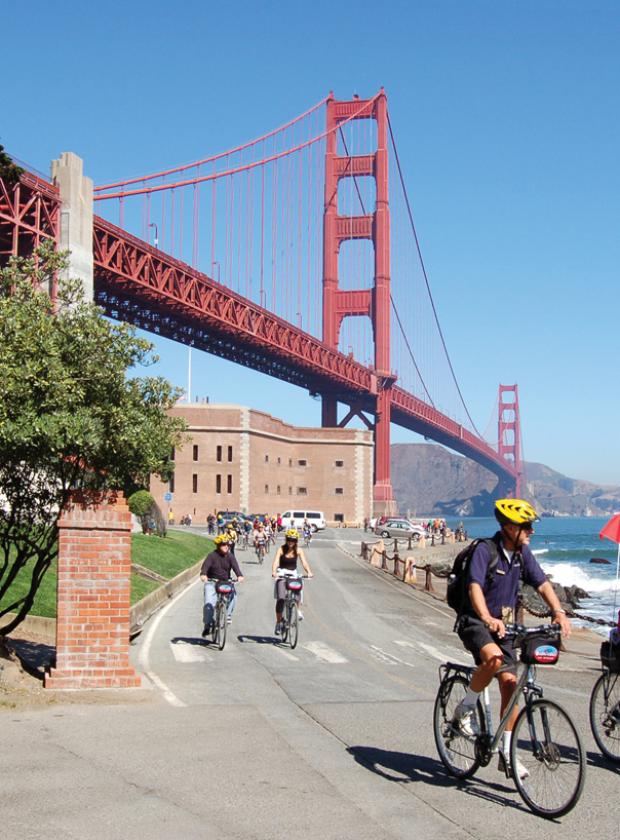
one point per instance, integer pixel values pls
(509, 432)
(372, 302)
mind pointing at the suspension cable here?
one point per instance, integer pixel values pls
(428, 287)
(415, 364)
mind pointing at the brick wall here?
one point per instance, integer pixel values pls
(94, 568)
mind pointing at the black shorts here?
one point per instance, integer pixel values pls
(474, 635)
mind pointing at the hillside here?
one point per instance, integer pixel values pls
(429, 479)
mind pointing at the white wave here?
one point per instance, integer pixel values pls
(569, 574)
(538, 551)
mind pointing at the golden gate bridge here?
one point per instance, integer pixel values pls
(294, 254)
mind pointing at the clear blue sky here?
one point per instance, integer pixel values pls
(507, 120)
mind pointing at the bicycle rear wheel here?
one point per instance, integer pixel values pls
(605, 715)
(293, 625)
(221, 625)
(456, 750)
(546, 743)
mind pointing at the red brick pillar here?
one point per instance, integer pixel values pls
(94, 567)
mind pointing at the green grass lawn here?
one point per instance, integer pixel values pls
(167, 556)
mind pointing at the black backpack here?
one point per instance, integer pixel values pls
(457, 595)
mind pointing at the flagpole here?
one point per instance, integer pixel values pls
(615, 617)
(189, 374)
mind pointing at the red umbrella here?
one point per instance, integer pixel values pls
(612, 529)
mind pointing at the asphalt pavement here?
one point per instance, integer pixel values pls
(330, 740)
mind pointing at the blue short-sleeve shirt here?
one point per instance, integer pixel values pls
(502, 590)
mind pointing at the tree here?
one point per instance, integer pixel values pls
(71, 419)
(144, 506)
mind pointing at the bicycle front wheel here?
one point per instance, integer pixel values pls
(605, 715)
(221, 626)
(547, 758)
(456, 750)
(293, 625)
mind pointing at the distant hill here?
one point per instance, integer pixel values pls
(428, 479)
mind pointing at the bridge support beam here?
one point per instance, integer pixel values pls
(76, 218)
(329, 411)
(384, 503)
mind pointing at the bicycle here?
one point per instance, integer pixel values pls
(261, 550)
(245, 540)
(307, 539)
(605, 704)
(225, 589)
(290, 616)
(544, 741)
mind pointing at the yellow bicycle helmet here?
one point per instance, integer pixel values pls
(514, 512)
(292, 534)
(222, 539)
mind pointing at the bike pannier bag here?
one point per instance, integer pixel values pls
(540, 650)
(224, 588)
(294, 584)
(610, 657)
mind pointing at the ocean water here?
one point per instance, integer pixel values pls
(564, 547)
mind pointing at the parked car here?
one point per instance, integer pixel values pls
(229, 515)
(295, 519)
(399, 528)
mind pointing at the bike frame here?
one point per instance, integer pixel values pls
(527, 687)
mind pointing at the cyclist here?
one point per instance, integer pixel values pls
(491, 605)
(218, 566)
(307, 531)
(285, 562)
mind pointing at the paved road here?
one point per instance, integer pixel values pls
(332, 740)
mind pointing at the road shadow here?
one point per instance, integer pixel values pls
(35, 657)
(189, 640)
(407, 768)
(595, 759)
(260, 640)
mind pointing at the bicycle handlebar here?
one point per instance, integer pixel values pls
(520, 631)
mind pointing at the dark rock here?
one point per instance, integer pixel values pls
(575, 593)
(601, 561)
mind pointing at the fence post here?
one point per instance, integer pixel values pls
(428, 584)
(384, 560)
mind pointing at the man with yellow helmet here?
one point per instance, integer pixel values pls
(285, 564)
(491, 604)
(217, 566)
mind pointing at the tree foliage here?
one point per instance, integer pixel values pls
(70, 417)
(9, 171)
(140, 502)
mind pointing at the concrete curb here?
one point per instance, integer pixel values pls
(38, 625)
(144, 609)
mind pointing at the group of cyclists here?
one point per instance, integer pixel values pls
(493, 575)
(221, 562)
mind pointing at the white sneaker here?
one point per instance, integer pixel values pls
(466, 721)
(277, 630)
(503, 765)
(229, 620)
(300, 615)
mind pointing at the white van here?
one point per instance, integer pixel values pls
(295, 519)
